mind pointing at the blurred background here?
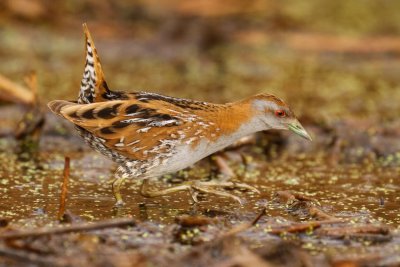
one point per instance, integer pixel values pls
(329, 59)
(336, 63)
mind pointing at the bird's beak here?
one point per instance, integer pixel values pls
(298, 129)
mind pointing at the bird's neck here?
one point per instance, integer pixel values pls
(238, 119)
(230, 122)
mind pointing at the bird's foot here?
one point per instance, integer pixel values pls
(119, 203)
(116, 186)
(196, 187)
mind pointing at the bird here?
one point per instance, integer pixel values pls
(149, 134)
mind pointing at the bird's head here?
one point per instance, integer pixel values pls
(275, 114)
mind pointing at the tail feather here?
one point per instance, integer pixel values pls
(57, 105)
(93, 85)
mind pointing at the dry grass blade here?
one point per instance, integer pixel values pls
(64, 189)
(244, 226)
(13, 92)
(69, 229)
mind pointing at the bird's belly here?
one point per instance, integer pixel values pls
(183, 157)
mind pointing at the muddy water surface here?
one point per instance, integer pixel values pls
(30, 192)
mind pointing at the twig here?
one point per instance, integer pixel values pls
(223, 166)
(293, 198)
(365, 259)
(256, 219)
(192, 221)
(288, 196)
(30, 257)
(11, 91)
(320, 214)
(353, 230)
(64, 189)
(303, 197)
(300, 227)
(69, 229)
(244, 226)
(285, 196)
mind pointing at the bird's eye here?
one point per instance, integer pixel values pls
(280, 113)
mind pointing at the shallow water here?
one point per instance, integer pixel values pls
(362, 194)
(30, 192)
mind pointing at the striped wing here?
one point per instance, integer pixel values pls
(136, 130)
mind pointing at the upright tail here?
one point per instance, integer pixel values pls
(93, 85)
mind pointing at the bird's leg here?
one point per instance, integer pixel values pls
(116, 186)
(227, 184)
(208, 190)
(148, 193)
(207, 187)
(195, 187)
